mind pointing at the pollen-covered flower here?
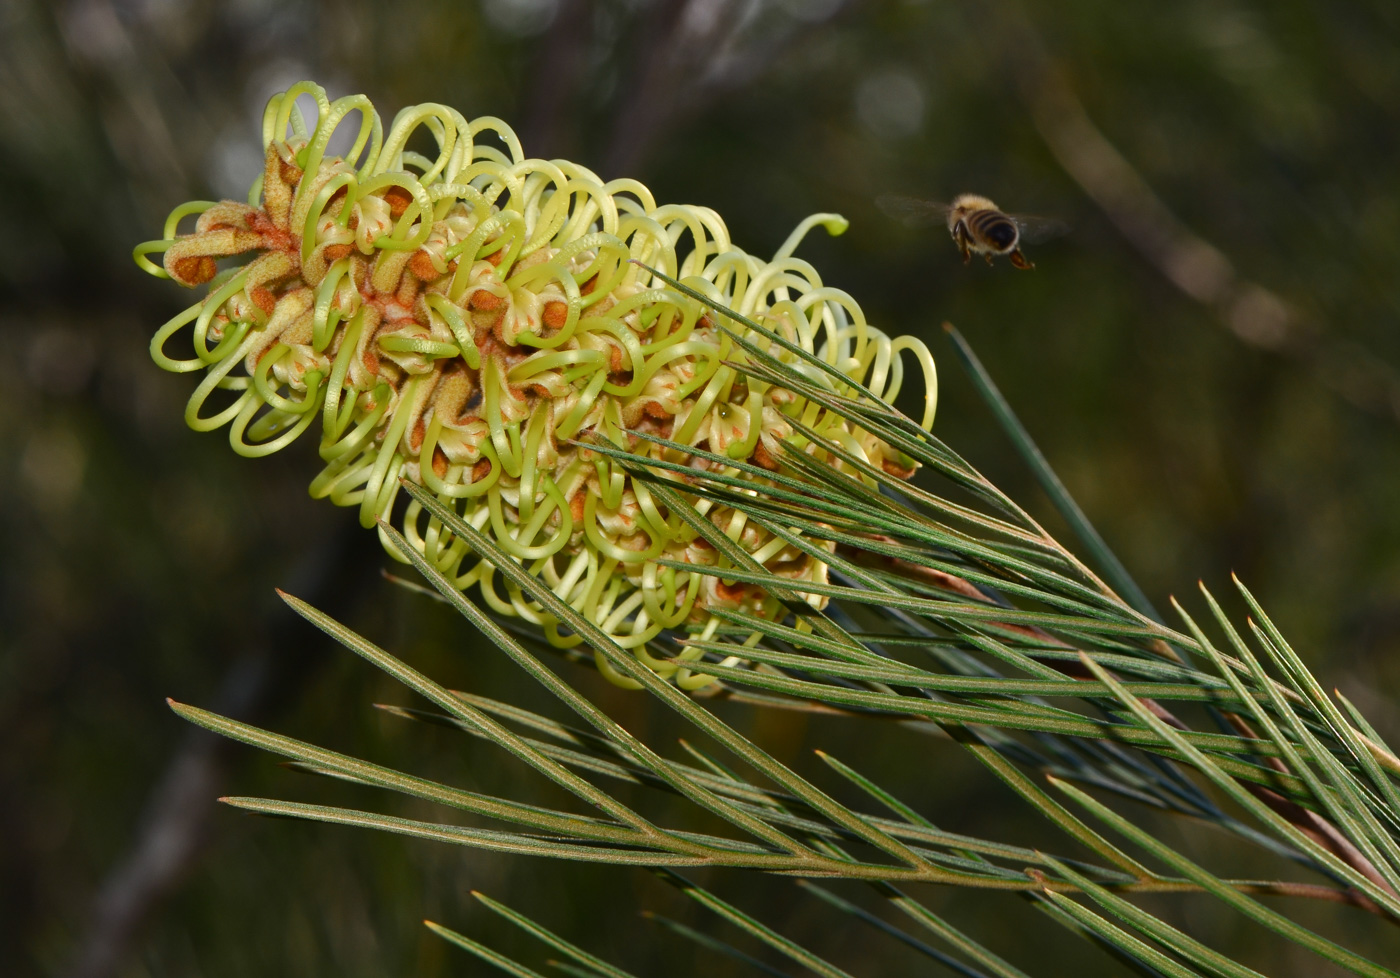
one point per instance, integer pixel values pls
(471, 320)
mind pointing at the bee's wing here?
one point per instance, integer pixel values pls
(1036, 229)
(911, 211)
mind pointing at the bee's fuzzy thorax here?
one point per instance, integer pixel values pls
(963, 203)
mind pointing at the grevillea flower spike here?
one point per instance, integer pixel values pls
(471, 321)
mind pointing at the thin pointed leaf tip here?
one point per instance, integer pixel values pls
(472, 321)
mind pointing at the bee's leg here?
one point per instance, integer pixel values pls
(961, 237)
(987, 255)
(1020, 260)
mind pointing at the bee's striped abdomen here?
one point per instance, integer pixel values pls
(993, 229)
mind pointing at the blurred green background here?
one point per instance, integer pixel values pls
(1204, 359)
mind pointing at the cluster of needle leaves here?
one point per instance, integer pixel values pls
(949, 611)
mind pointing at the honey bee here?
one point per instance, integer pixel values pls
(976, 224)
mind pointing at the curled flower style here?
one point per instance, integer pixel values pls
(471, 320)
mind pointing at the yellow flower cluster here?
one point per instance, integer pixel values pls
(470, 320)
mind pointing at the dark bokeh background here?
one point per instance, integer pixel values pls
(1204, 360)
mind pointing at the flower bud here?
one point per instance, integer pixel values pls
(474, 321)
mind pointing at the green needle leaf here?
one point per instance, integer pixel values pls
(759, 930)
(1049, 481)
(482, 951)
(553, 940)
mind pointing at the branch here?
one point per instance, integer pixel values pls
(695, 51)
(1313, 824)
(1252, 312)
(176, 827)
